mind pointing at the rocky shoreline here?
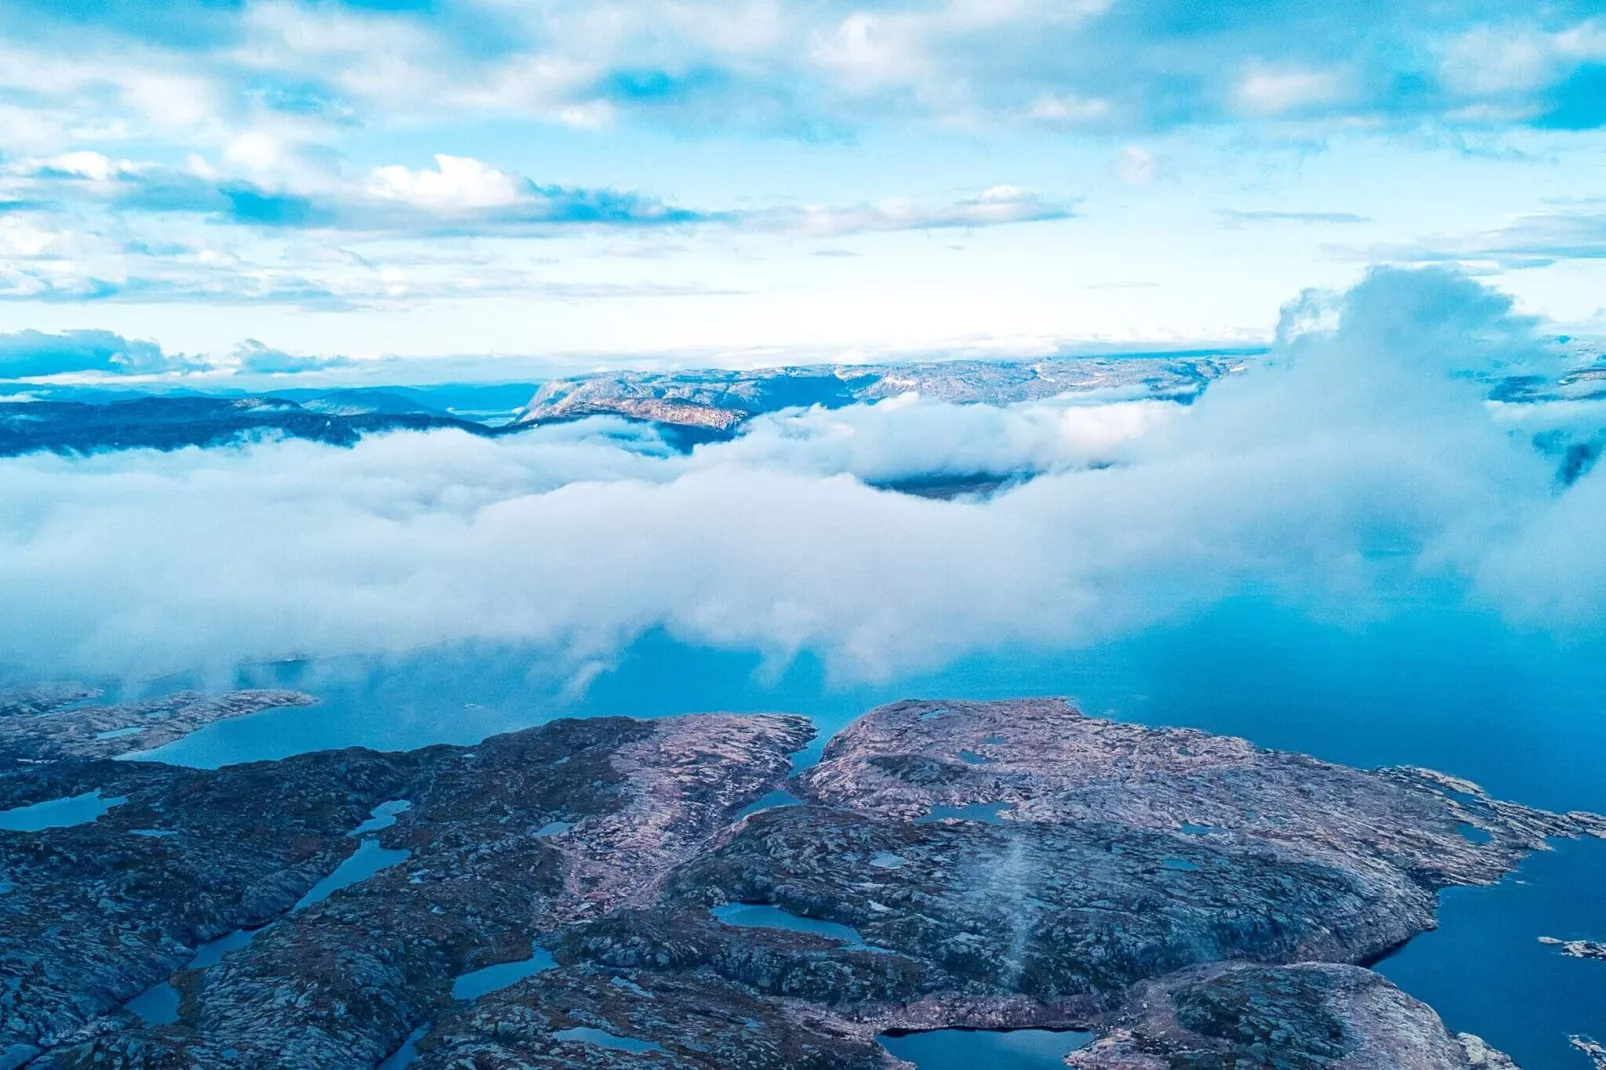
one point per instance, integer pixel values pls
(1577, 949)
(1192, 900)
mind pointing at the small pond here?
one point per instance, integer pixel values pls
(604, 1039)
(58, 813)
(369, 858)
(765, 916)
(995, 1049)
(477, 983)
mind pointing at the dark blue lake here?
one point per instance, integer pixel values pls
(1455, 691)
(997, 1049)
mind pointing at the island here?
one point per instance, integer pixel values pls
(673, 893)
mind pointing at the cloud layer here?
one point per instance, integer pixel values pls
(571, 170)
(1358, 470)
(782, 65)
(287, 224)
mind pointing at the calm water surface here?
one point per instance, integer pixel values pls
(996, 1049)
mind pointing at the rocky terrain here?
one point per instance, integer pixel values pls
(716, 401)
(76, 728)
(1193, 900)
(688, 407)
(1595, 1051)
(1306, 1015)
(1578, 949)
(175, 422)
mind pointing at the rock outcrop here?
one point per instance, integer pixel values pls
(72, 728)
(719, 401)
(1578, 949)
(1297, 1017)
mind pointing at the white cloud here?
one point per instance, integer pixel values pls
(1496, 60)
(1357, 471)
(1069, 108)
(456, 184)
(1273, 91)
(906, 437)
(995, 206)
(1134, 165)
(869, 50)
(90, 165)
(1488, 61)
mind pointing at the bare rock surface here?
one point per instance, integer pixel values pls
(1048, 764)
(50, 723)
(1298, 1017)
(522, 834)
(680, 1019)
(948, 864)
(43, 698)
(1578, 949)
(720, 401)
(1595, 1050)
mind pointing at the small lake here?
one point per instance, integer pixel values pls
(778, 797)
(604, 1039)
(994, 1049)
(58, 813)
(369, 858)
(764, 916)
(407, 1054)
(480, 982)
(158, 1004)
(382, 816)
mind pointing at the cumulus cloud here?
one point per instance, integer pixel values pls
(1357, 469)
(907, 437)
(1269, 91)
(32, 354)
(458, 194)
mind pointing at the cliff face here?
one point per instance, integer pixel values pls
(1192, 899)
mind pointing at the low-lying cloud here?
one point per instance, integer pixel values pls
(1357, 469)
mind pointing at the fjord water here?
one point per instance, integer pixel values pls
(1451, 690)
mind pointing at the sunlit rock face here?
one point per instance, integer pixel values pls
(947, 864)
(719, 401)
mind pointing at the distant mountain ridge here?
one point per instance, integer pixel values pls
(687, 407)
(170, 423)
(718, 401)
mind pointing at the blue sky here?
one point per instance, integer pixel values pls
(752, 182)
